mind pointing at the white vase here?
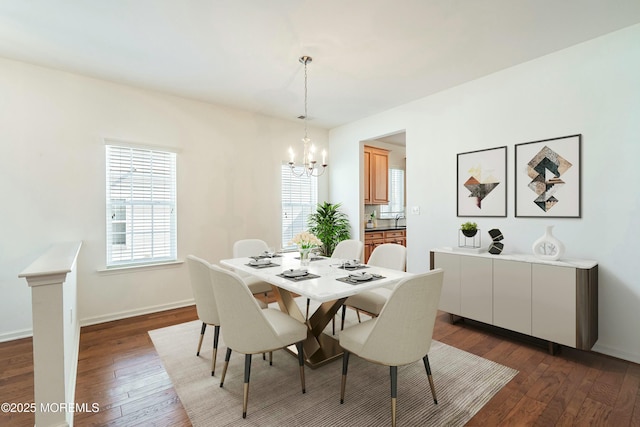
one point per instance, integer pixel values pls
(547, 247)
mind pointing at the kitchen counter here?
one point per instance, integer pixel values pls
(385, 228)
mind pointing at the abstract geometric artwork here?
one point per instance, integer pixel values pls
(482, 183)
(548, 178)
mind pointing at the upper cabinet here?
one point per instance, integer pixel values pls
(376, 176)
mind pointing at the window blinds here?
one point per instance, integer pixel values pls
(141, 206)
(396, 195)
(299, 200)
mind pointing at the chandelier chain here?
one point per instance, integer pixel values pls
(305, 98)
(309, 162)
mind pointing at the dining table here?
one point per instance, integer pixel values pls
(327, 281)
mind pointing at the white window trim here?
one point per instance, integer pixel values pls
(168, 199)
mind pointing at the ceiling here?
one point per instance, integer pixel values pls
(368, 55)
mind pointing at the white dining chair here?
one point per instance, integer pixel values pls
(248, 329)
(205, 302)
(348, 250)
(351, 250)
(248, 248)
(411, 310)
(387, 255)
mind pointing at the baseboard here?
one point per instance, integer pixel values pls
(137, 312)
(614, 352)
(16, 335)
(28, 333)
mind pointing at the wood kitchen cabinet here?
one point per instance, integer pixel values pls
(372, 239)
(376, 176)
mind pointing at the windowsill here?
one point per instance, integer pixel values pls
(138, 267)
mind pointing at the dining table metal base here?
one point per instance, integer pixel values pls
(319, 348)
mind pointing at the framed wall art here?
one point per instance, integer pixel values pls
(482, 183)
(547, 178)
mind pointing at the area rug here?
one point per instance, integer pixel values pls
(464, 383)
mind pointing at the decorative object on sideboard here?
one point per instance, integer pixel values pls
(469, 229)
(496, 246)
(468, 237)
(548, 247)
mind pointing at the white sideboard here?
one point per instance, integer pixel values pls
(556, 301)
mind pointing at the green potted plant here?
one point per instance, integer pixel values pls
(469, 228)
(329, 225)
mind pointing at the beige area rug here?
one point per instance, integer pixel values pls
(464, 383)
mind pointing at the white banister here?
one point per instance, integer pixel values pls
(56, 332)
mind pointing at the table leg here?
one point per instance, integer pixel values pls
(319, 348)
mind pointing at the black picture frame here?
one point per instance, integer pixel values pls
(481, 183)
(548, 178)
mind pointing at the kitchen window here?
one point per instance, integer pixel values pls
(396, 195)
(299, 200)
(141, 206)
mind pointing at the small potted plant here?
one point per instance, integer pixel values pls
(469, 229)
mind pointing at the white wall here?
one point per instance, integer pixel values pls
(52, 184)
(593, 89)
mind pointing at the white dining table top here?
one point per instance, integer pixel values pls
(322, 289)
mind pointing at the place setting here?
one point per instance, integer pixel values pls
(360, 277)
(262, 263)
(297, 275)
(266, 255)
(313, 257)
(351, 264)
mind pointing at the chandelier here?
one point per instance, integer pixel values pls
(309, 166)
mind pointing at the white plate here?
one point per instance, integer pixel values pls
(295, 273)
(260, 262)
(361, 277)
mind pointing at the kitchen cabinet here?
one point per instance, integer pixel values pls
(555, 301)
(376, 176)
(372, 239)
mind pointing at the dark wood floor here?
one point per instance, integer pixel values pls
(120, 370)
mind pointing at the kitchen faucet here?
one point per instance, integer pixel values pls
(399, 216)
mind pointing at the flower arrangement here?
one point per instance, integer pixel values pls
(305, 240)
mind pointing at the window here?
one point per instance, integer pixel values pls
(299, 200)
(396, 195)
(141, 206)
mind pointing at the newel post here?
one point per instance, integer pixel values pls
(56, 332)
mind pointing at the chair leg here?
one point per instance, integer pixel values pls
(271, 358)
(301, 363)
(226, 364)
(425, 359)
(394, 393)
(204, 326)
(333, 325)
(216, 334)
(306, 317)
(358, 313)
(343, 386)
(344, 314)
(245, 393)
